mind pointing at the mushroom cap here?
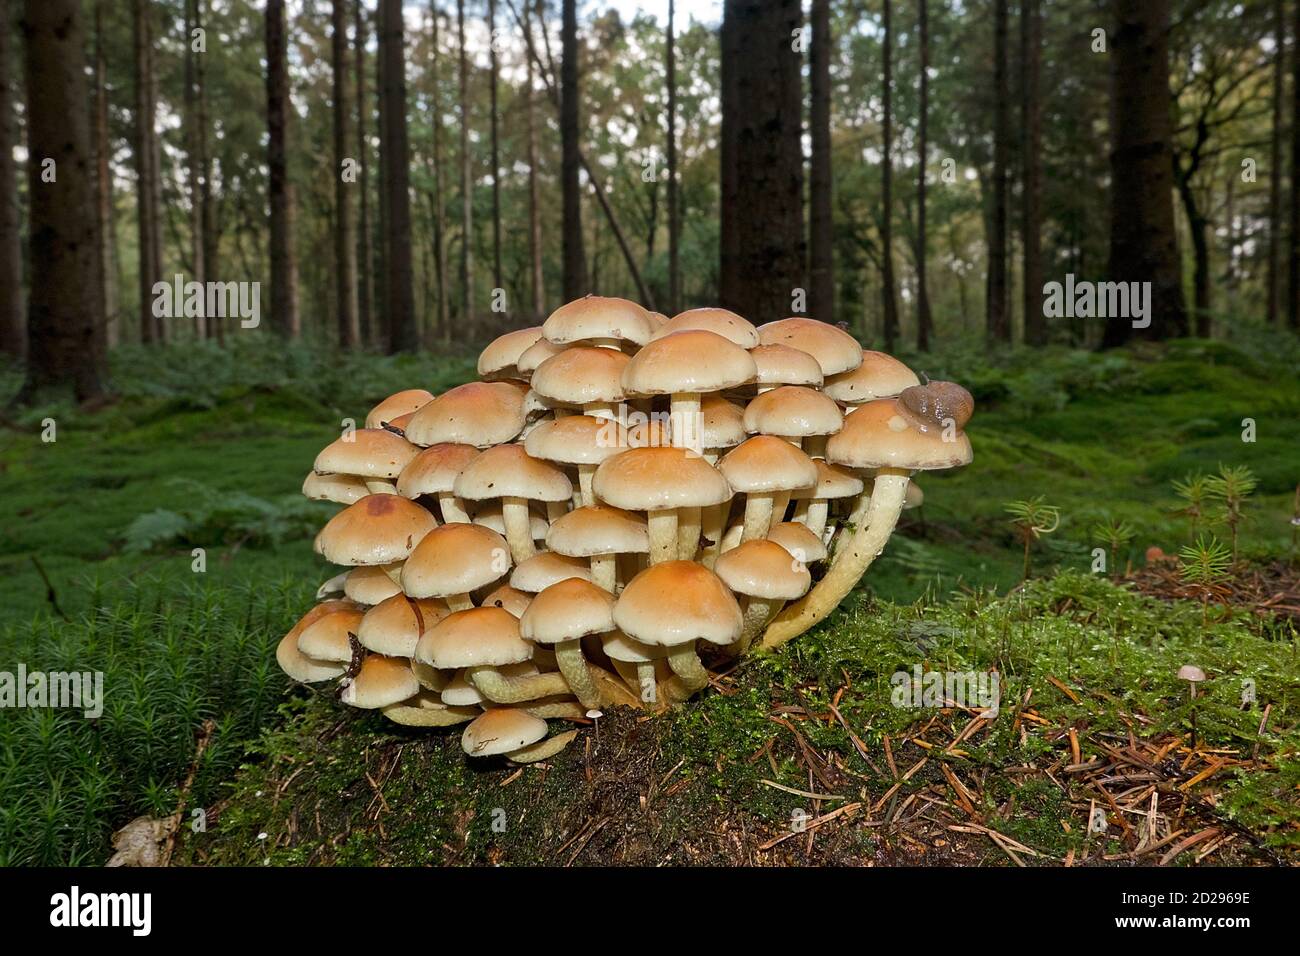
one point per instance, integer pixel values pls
(372, 584)
(476, 413)
(512, 599)
(763, 569)
(489, 516)
(296, 664)
(566, 610)
(1190, 672)
(455, 559)
(832, 482)
(793, 411)
(393, 627)
(879, 376)
(598, 529)
(783, 365)
(880, 435)
(914, 497)
(722, 322)
(619, 647)
(430, 677)
(378, 529)
(434, 470)
(675, 602)
(501, 730)
(598, 317)
(535, 355)
(380, 682)
(799, 540)
(472, 638)
(545, 568)
(397, 405)
(341, 489)
(724, 423)
(577, 439)
(654, 479)
(654, 432)
(692, 361)
(326, 638)
(366, 452)
(833, 348)
(508, 471)
(499, 360)
(581, 375)
(766, 463)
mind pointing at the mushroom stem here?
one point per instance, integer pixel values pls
(568, 656)
(689, 521)
(614, 689)
(757, 613)
(499, 688)
(599, 409)
(585, 474)
(662, 526)
(647, 686)
(564, 709)
(712, 526)
(758, 516)
(852, 559)
(453, 509)
(410, 716)
(604, 571)
(377, 486)
(816, 515)
(459, 602)
(519, 534)
(687, 421)
(542, 749)
(686, 665)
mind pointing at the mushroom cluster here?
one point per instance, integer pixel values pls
(621, 501)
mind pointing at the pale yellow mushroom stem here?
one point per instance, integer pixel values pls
(497, 687)
(852, 559)
(378, 486)
(459, 602)
(573, 665)
(519, 532)
(585, 474)
(689, 521)
(758, 611)
(542, 749)
(687, 421)
(453, 509)
(686, 665)
(562, 709)
(758, 516)
(662, 526)
(713, 521)
(604, 571)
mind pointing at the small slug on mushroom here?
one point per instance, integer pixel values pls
(936, 403)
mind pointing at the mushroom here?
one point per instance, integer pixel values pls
(490, 516)
(674, 604)
(397, 405)
(514, 732)
(378, 529)
(599, 320)
(481, 414)
(579, 441)
(329, 636)
(509, 473)
(600, 533)
(373, 584)
(483, 640)
(394, 626)
(546, 568)
(500, 360)
(768, 575)
(375, 455)
(814, 502)
(340, 489)
(879, 376)
(782, 365)
(834, 349)
(724, 427)
(433, 472)
(563, 614)
(799, 540)
(660, 482)
(721, 322)
(891, 436)
(635, 661)
(459, 559)
(763, 468)
(1193, 675)
(512, 599)
(802, 416)
(299, 666)
(381, 682)
(426, 709)
(584, 377)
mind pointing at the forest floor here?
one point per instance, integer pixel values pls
(1097, 755)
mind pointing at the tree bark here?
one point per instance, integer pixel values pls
(152, 328)
(193, 163)
(103, 184)
(284, 267)
(345, 238)
(998, 316)
(496, 151)
(439, 185)
(207, 224)
(537, 280)
(821, 278)
(13, 324)
(1031, 214)
(365, 235)
(1293, 240)
(399, 300)
(65, 322)
(888, 287)
(764, 253)
(575, 260)
(466, 179)
(674, 203)
(924, 319)
(1275, 164)
(1143, 241)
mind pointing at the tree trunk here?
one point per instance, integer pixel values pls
(888, 287)
(365, 236)
(383, 321)
(466, 180)
(537, 280)
(1031, 214)
(206, 220)
(924, 319)
(1293, 240)
(1143, 240)
(1198, 226)
(439, 187)
(1275, 163)
(674, 207)
(103, 184)
(345, 239)
(998, 315)
(193, 168)
(65, 322)
(404, 333)
(764, 254)
(496, 153)
(152, 328)
(821, 278)
(575, 260)
(284, 267)
(13, 324)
